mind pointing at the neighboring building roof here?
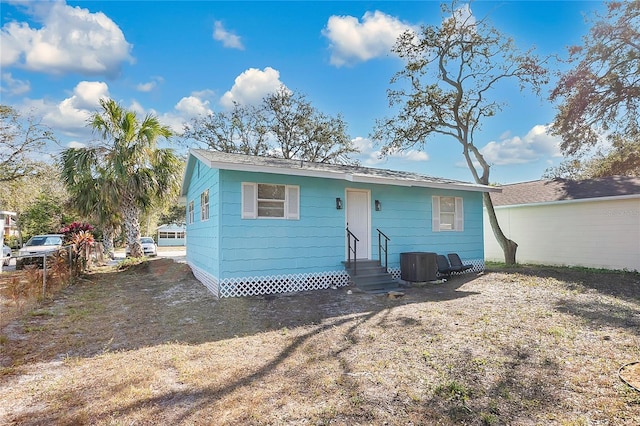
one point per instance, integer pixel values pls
(555, 190)
(250, 163)
(172, 227)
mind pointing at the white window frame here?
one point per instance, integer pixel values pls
(191, 211)
(250, 201)
(436, 215)
(204, 205)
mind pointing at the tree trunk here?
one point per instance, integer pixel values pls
(131, 214)
(508, 247)
(107, 240)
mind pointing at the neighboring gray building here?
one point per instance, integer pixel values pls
(593, 223)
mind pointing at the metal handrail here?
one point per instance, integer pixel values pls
(349, 250)
(380, 249)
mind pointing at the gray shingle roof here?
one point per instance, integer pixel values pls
(545, 191)
(334, 171)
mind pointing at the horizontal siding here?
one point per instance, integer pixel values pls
(170, 242)
(316, 242)
(405, 218)
(203, 236)
(599, 234)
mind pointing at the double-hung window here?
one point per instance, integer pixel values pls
(191, 211)
(204, 205)
(270, 201)
(447, 214)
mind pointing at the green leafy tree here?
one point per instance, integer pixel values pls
(175, 213)
(39, 199)
(450, 74)
(599, 97)
(128, 167)
(285, 125)
(44, 215)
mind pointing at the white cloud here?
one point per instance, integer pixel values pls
(413, 155)
(150, 85)
(71, 115)
(71, 39)
(353, 41)
(76, 144)
(251, 87)
(193, 106)
(87, 94)
(12, 86)
(228, 39)
(146, 87)
(370, 156)
(136, 107)
(535, 145)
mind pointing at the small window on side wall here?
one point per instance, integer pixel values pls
(269, 201)
(204, 205)
(447, 214)
(191, 211)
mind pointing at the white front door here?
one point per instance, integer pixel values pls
(359, 220)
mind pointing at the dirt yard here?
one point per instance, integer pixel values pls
(149, 345)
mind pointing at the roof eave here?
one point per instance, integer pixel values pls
(327, 174)
(578, 200)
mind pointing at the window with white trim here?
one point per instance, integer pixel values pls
(270, 201)
(447, 214)
(191, 211)
(204, 205)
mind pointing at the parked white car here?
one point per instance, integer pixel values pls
(149, 247)
(6, 255)
(38, 245)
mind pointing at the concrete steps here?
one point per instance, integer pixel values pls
(370, 277)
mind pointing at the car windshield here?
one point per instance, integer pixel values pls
(45, 240)
(146, 240)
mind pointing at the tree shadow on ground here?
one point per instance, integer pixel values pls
(621, 285)
(160, 301)
(604, 313)
(613, 283)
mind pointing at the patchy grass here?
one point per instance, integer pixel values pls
(149, 345)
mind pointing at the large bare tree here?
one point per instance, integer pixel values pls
(21, 140)
(447, 89)
(284, 125)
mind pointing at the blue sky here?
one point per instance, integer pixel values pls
(181, 59)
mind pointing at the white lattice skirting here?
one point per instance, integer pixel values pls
(291, 283)
(254, 286)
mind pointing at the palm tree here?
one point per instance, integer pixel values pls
(127, 172)
(92, 194)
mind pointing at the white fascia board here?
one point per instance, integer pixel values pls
(425, 184)
(580, 200)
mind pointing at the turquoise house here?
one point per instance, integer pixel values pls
(261, 225)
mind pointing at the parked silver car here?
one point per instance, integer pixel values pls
(149, 247)
(32, 252)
